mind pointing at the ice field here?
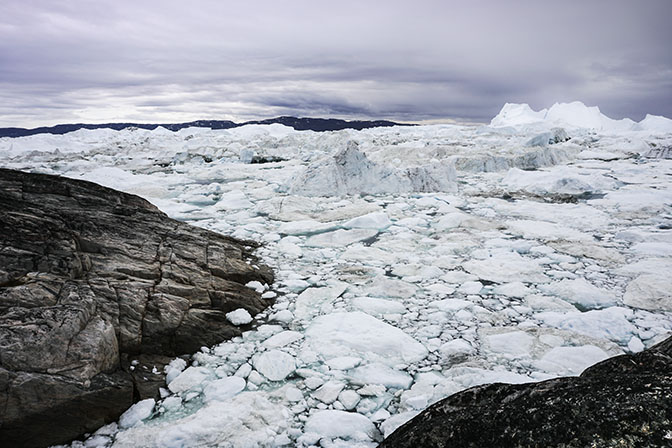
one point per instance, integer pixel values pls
(411, 262)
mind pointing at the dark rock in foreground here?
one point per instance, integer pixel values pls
(91, 279)
(625, 401)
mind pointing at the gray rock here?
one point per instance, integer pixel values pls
(91, 279)
(625, 401)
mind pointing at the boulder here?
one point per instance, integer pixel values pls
(624, 401)
(95, 283)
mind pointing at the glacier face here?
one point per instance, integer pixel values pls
(411, 263)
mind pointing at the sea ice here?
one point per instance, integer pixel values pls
(358, 334)
(136, 413)
(581, 293)
(223, 389)
(504, 266)
(377, 373)
(377, 307)
(649, 292)
(347, 425)
(239, 317)
(275, 365)
(378, 221)
(571, 360)
(247, 420)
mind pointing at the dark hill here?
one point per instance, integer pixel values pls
(300, 124)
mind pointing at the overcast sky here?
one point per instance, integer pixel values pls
(171, 61)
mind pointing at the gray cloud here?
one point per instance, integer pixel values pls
(171, 61)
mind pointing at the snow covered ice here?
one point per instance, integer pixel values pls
(412, 262)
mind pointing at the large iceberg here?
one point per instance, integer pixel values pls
(350, 172)
(575, 115)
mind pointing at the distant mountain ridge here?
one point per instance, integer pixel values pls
(300, 124)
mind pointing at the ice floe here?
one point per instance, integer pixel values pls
(411, 263)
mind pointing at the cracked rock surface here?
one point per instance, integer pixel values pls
(625, 401)
(91, 278)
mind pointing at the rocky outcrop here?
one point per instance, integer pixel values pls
(92, 279)
(625, 401)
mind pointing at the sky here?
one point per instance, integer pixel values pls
(150, 61)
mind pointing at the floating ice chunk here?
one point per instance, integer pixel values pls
(503, 266)
(293, 394)
(545, 303)
(244, 370)
(377, 221)
(635, 345)
(456, 350)
(344, 362)
(517, 343)
(284, 316)
(601, 155)
(368, 255)
(223, 389)
(377, 373)
(275, 365)
(655, 249)
(340, 237)
(571, 360)
(239, 317)
(350, 172)
(382, 286)
(242, 421)
(470, 288)
(282, 339)
(513, 289)
(580, 293)
(451, 305)
(233, 200)
(555, 135)
(610, 323)
(440, 288)
(346, 425)
(296, 284)
(651, 292)
(391, 424)
(306, 227)
(136, 413)
(191, 379)
(313, 382)
(359, 334)
(328, 392)
(377, 307)
(349, 399)
(174, 368)
(289, 247)
(310, 300)
(457, 277)
(451, 221)
(547, 231)
(558, 180)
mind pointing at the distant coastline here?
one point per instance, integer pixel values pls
(299, 124)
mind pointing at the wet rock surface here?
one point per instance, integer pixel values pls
(625, 401)
(92, 279)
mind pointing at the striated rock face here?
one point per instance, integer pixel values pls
(624, 401)
(91, 278)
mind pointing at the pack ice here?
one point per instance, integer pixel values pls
(412, 262)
